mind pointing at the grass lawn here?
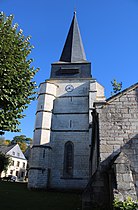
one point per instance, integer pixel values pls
(15, 196)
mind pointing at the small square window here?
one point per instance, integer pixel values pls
(13, 153)
(18, 154)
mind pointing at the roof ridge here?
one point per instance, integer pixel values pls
(122, 92)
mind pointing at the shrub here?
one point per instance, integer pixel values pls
(127, 204)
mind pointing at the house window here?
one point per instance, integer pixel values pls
(12, 163)
(18, 154)
(22, 174)
(68, 159)
(11, 172)
(23, 165)
(13, 153)
(17, 172)
(18, 163)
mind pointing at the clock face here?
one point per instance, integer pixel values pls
(69, 88)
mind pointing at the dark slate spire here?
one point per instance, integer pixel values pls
(72, 63)
(73, 50)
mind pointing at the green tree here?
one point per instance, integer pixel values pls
(4, 162)
(23, 142)
(16, 74)
(116, 86)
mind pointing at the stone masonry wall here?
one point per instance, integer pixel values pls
(118, 123)
(39, 171)
(70, 123)
(118, 130)
(118, 144)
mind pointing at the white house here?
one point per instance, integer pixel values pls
(18, 161)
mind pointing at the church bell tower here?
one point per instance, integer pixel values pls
(62, 136)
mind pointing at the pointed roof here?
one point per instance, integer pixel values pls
(73, 50)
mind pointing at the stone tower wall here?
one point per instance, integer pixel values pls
(70, 123)
(39, 171)
(46, 97)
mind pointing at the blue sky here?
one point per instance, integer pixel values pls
(109, 30)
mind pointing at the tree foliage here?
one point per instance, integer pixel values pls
(4, 162)
(116, 86)
(16, 86)
(23, 142)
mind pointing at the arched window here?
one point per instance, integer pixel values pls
(68, 159)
